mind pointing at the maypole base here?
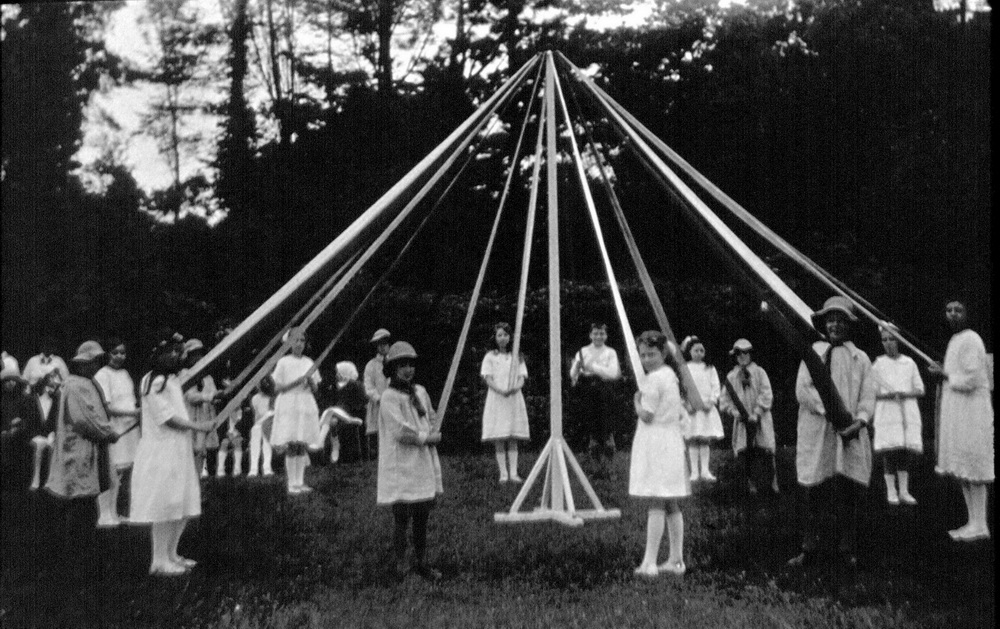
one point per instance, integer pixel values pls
(557, 462)
(576, 518)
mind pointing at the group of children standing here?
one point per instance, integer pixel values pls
(670, 448)
(669, 424)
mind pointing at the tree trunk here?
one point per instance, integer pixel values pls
(457, 61)
(384, 70)
(175, 140)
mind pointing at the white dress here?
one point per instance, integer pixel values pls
(504, 417)
(164, 482)
(705, 424)
(296, 415)
(658, 467)
(119, 394)
(897, 423)
(965, 447)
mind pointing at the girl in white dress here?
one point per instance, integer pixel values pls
(296, 414)
(897, 416)
(657, 475)
(505, 415)
(965, 441)
(123, 411)
(165, 490)
(703, 427)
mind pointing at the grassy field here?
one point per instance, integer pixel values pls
(323, 560)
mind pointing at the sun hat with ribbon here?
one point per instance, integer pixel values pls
(741, 345)
(834, 304)
(399, 350)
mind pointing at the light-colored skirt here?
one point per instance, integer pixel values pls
(897, 426)
(296, 419)
(165, 484)
(704, 425)
(658, 467)
(122, 452)
(505, 417)
(965, 444)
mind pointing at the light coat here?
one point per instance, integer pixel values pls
(80, 466)
(820, 453)
(407, 472)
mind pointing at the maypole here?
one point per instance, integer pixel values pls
(374, 218)
(556, 458)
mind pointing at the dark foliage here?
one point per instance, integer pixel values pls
(857, 131)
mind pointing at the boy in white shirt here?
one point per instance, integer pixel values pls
(594, 371)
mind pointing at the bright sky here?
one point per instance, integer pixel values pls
(116, 117)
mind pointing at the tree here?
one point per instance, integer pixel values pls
(52, 59)
(182, 68)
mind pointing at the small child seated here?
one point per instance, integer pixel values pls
(349, 403)
(233, 440)
(46, 392)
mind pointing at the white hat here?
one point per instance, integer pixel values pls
(88, 351)
(380, 334)
(400, 349)
(10, 361)
(191, 345)
(10, 372)
(346, 370)
(835, 303)
(741, 345)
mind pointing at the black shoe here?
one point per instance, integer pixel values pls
(426, 572)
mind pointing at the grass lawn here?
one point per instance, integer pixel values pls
(323, 560)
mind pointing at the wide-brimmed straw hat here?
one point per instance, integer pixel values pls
(741, 345)
(380, 335)
(835, 303)
(399, 350)
(88, 351)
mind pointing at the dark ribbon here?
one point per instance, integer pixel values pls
(751, 427)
